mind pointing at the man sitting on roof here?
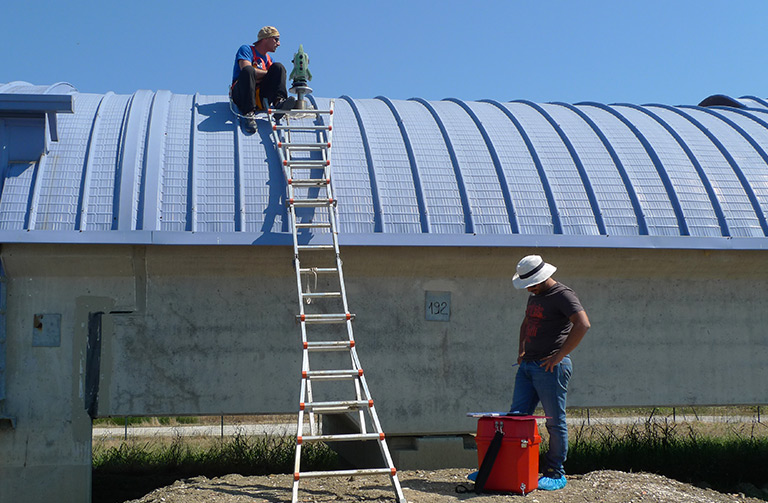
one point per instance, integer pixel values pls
(256, 77)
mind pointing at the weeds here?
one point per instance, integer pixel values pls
(677, 450)
(240, 454)
(720, 456)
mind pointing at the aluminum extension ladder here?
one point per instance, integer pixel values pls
(303, 141)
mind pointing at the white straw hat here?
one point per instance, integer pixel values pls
(532, 270)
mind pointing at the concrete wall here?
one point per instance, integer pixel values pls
(210, 330)
(51, 290)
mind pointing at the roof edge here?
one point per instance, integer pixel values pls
(383, 239)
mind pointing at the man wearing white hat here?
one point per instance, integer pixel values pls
(554, 324)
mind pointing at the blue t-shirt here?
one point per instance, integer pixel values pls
(246, 52)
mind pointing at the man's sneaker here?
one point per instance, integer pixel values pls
(249, 122)
(284, 104)
(548, 484)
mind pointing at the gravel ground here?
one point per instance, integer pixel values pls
(424, 486)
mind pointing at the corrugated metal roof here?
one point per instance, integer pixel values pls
(157, 167)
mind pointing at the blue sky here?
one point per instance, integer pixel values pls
(649, 51)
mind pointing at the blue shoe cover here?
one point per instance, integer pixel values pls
(472, 476)
(548, 484)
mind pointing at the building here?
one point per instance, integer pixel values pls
(147, 267)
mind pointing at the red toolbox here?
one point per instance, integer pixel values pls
(517, 464)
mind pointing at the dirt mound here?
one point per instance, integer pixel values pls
(438, 486)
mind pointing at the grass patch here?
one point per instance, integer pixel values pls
(720, 457)
(238, 454)
(129, 470)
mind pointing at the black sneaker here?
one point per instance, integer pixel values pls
(249, 122)
(284, 104)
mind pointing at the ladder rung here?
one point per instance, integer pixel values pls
(309, 182)
(301, 128)
(302, 146)
(299, 111)
(338, 406)
(305, 148)
(345, 473)
(315, 247)
(325, 318)
(345, 437)
(329, 345)
(318, 270)
(313, 203)
(328, 375)
(307, 163)
(321, 295)
(313, 225)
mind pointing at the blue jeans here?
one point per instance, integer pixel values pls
(533, 384)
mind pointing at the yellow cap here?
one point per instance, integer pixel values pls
(267, 32)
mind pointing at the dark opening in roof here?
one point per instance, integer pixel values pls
(721, 100)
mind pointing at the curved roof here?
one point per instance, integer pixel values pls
(158, 167)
